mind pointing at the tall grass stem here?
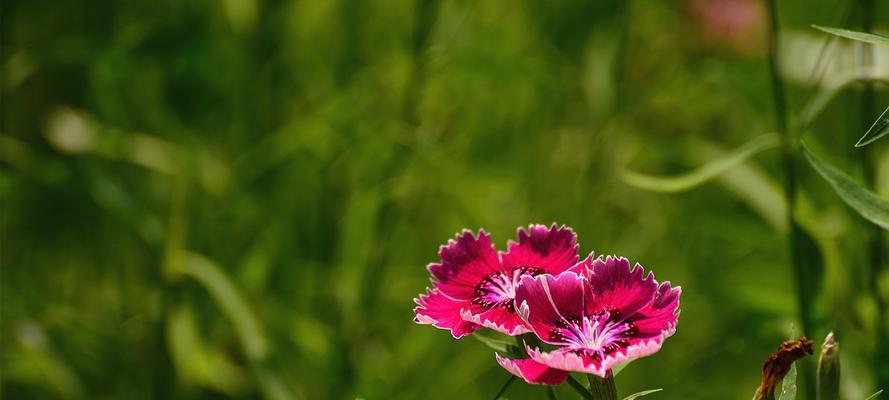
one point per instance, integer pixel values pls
(788, 161)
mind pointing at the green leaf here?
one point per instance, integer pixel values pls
(620, 367)
(229, 299)
(642, 393)
(500, 346)
(865, 202)
(197, 363)
(875, 395)
(879, 129)
(788, 386)
(874, 38)
(818, 102)
(703, 174)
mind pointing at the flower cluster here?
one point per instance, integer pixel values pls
(596, 313)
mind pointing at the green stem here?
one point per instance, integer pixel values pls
(602, 388)
(875, 237)
(579, 388)
(796, 237)
(505, 386)
(551, 393)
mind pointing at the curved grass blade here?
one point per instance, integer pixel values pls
(230, 300)
(865, 202)
(874, 38)
(703, 174)
(879, 129)
(197, 363)
(875, 395)
(642, 393)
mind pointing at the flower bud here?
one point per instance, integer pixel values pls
(829, 369)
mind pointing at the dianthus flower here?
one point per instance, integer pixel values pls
(598, 316)
(474, 285)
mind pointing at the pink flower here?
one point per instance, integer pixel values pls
(739, 25)
(604, 315)
(474, 285)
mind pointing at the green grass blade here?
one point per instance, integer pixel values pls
(703, 174)
(865, 202)
(874, 38)
(875, 395)
(879, 129)
(229, 299)
(642, 393)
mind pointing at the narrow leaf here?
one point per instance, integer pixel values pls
(620, 367)
(879, 129)
(817, 103)
(875, 395)
(703, 174)
(498, 345)
(788, 386)
(874, 38)
(230, 300)
(865, 202)
(642, 393)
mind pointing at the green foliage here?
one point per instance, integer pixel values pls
(874, 38)
(788, 385)
(237, 199)
(875, 395)
(703, 174)
(507, 349)
(642, 393)
(879, 129)
(864, 202)
(620, 367)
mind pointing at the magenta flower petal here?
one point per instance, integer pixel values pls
(501, 318)
(548, 303)
(532, 371)
(465, 261)
(610, 314)
(591, 361)
(479, 283)
(552, 249)
(661, 315)
(617, 288)
(440, 311)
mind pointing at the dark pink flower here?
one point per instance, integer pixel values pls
(474, 285)
(604, 315)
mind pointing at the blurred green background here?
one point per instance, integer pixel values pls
(238, 198)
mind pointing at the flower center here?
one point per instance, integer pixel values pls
(498, 288)
(596, 334)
